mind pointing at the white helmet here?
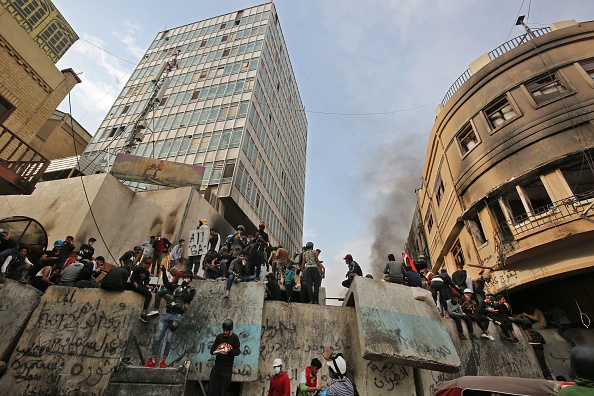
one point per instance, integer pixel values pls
(277, 362)
(468, 291)
(337, 364)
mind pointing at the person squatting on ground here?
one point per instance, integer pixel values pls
(308, 380)
(312, 274)
(177, 303)
(279, 382)
(225, 346)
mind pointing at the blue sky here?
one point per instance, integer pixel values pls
(396, 58)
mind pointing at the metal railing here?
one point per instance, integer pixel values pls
(20, 158)
(502, 49)
(576, 205)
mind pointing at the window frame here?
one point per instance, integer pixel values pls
(557, 77)
(439, 189)
(456, 252)
(429, 220)
(10, 108)
(466, 130)
(588, 74)
(497, 106)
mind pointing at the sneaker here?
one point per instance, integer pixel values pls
(144, 318)
(162, 364)
(236, 280)
(150, 364)
(463, 337)
(498, 323)
(226, 297)
(473, 336)
(152, 313)
(486, 336)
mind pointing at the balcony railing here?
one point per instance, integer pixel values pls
(502, 49)
(575, 205)
(21, 159)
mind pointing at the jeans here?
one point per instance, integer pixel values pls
(158, 296)
(162, 327)
(289, 291)
(8, 252)
(141, 289)
(231, 278)
(313, 281)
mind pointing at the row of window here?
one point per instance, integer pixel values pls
(543, 89)
(167, 39)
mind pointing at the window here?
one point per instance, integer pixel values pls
(467, 139)
(5, 109)
(458, 254)
(195, 95)
(499, 112)
(537, 196)
(546, 88)
(228, 172)
(126, 109)
(439, 190)
(476, 229)
(226, 52)
(429, 220)
(588, 66)
(514, 205)
(579, 177)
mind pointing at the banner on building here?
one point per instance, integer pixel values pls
(155, 171)
(198, 241)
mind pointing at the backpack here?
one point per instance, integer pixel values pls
(86, 273)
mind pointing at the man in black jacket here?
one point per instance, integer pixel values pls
(177, 304)
(226, 347)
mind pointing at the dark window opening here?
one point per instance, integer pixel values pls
(538, 196)
(467, 139)
(515, 205)
(458, 253)
(476, 229)
(588, 66)
(497, 213)
(439, 190)
(546, 88)
(5, 109)
(228, 172)
(579, 177)
(429, 221)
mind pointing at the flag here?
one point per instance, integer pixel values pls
(408, 261)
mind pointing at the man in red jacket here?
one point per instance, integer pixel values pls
(279, 382)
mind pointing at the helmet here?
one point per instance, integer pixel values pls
(582, 361)
(467, 291)
(348, 257)
(240, 227)
(277, 362)
(228, 324)
(58, 243)
(203, 221)
(262, 225)
(187, 275)
(337, 364)
(309, 245)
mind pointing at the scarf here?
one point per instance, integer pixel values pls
(308, 381)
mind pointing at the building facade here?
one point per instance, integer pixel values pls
(509, 171)
(232, 105)
(31, 88)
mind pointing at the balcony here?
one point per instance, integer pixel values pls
(21, 166)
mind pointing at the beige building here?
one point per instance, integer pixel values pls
(31, 88)
(509, 170)
(61, 136)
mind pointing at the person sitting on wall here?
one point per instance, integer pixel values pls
(178, 302)
(212, 265)
(128, 258)
(140, 284)
(273, 291)
(47, 276)
(455, 311)
(116, 279)
(16, 264)
(470, 308)
(238, 272)
(488, 309)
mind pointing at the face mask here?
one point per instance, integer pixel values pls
(182, 243)
(184, 284)
(90, 243)
(277, 370)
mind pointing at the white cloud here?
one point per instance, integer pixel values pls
(128, 38)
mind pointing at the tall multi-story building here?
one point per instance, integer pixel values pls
(509, 170)
(33, 36)
(232, 105)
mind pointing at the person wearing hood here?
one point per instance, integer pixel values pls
(582, 363)
(279, 382)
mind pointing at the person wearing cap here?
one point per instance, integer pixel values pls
(470, 308)
(312, 273)
(308, 380)
(67, 248)
(340, 385)
(273, 291)
(140, 284)
(279, 382)
(395, 271)
(225, 346)
(178, 302)
(582, 364)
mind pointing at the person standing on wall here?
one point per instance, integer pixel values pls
(194, 261)
(225, 346)
(161, 246)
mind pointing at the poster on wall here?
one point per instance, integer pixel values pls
(156, 171)
(198, 241)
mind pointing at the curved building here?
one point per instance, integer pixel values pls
(509, 170)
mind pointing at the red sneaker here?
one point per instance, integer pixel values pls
(151, 363)
(162, 364)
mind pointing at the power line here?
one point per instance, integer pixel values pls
(110, 53)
